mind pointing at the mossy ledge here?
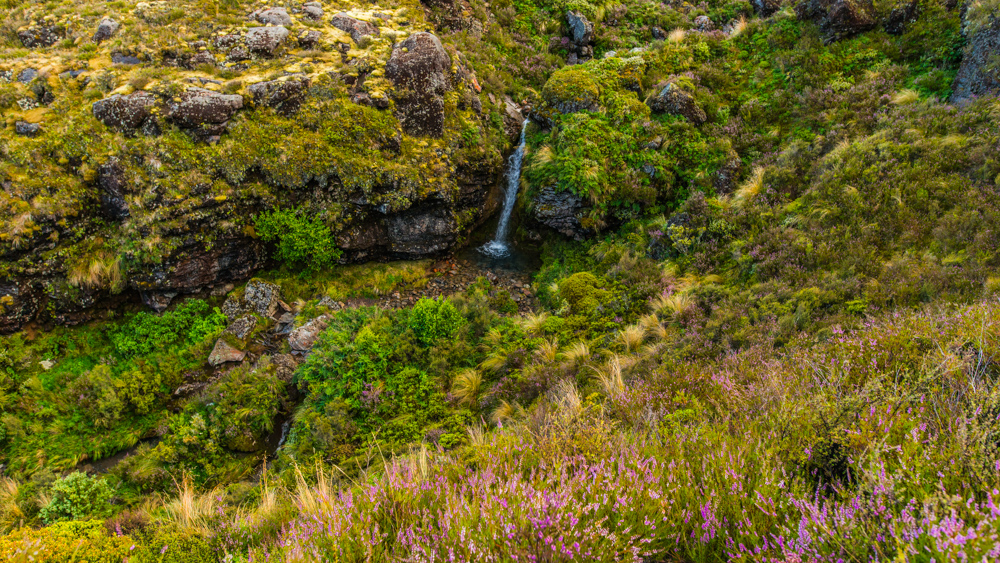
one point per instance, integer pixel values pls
(140, 140)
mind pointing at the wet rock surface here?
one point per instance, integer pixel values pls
(978, 74)
(561, 212)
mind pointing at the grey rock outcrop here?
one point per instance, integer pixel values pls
(265, 41)
(839, 19)
(114, 186)
(259, 297)
(105, 30)
(283, 95)
(354, 27)
(203, 113)
(25, 129)
(978, 74)
(312, 10)
(766, 8)
(581, 36)
(672, 99)
(42, 35)
(127, 114)
(224, 352)
(273, 16)
(419, 69)
(561, 212)
(304, 337)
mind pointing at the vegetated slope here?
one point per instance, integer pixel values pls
(773, 340)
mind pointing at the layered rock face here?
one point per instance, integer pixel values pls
(181, 142)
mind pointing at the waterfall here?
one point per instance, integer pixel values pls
(497, 247)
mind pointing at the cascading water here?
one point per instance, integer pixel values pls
(497, 248)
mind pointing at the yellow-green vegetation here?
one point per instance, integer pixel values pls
(776, 340)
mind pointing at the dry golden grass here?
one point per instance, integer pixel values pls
(677, 35)
(905, 97)
(467, 385)
(750, 188)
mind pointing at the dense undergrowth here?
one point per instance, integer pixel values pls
(779, 342)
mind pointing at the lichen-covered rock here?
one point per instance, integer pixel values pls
(42, 35)
(419, 69)
(312, 11)
(704, 23)
(258, 297)
(25, 129)
(672, 99)
(265, 41)
(105, 30)
(354, 27)
(309, 39)
(284, 95)
(127, 114)
(113, 185)
(839, 19)
(123, 59)
(203, 113)
(273, 16)
(242, 327)
(581, 30)
(224, 352)
(978, 74)
(304, 337)
(27, 75)
(560, 211)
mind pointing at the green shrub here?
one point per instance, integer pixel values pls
(433, 319)
(190, 322)
(66, 542)
(77, 496)
(299, 240)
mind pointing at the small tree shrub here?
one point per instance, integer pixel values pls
(299, 240)
(76, 496)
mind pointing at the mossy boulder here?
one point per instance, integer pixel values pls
(420, 68)
(839, 19)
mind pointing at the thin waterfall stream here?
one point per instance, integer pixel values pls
(497, 248)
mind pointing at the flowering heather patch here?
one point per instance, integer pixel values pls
(734, 465)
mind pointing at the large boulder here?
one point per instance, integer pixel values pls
(303, 338)
(265, 41)
(127, 114)
(312, 11)
(284, 95)
(203, 113)
(105, 30)
(419, 69)
(356, 28)
(259, 297)
(273, 16)
(224, 352)
(672, 99)
(41, 35)
(839, 19)
(581, 30)
(978, 74)
(560, 211)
